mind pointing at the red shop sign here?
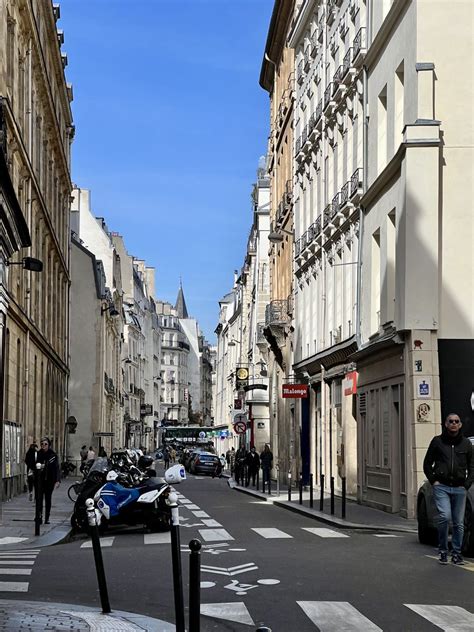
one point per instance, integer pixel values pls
(294, 391)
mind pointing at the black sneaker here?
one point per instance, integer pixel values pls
(458, 559)
(443, 558)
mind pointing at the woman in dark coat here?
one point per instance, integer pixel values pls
(30, 460)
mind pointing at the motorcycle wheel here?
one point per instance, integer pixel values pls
(79, 522)
(161, 522)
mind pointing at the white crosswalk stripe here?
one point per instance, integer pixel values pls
(215, 535)
(325, 533)
(272, 533)
(448, 618)
(103, 542)
(157, 538)
(12, 563)
(334, 616)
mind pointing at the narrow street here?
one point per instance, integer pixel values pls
(263, 565)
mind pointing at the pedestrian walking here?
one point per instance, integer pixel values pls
(166, 457)
(83, 455)
(253, 465)
(232, 461)
(90, 454)
(102, 452)
(227, 459)
(49, 474)
(449, 467)
(173, 455)
(30, 460)
(266, 461)
(240, 463)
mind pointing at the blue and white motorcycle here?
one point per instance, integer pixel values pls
(130, 498)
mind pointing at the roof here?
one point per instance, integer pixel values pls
(180, 307)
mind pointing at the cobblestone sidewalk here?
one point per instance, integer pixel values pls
(32, 616)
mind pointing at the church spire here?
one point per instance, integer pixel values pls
(180, 306)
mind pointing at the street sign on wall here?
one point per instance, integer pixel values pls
(294, 391)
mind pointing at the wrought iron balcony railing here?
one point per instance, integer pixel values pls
(359, 46)
(356, 182)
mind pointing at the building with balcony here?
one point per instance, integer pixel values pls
(36, 130)
(328, 123)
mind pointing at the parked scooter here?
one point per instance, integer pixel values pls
(129, 497)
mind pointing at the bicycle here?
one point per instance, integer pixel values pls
(74, 490)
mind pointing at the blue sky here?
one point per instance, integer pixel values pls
(170, 123)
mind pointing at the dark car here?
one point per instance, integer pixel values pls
(204, 463)
(427, 517)
(189, 456)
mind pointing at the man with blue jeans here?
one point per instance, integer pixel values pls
(449, 467)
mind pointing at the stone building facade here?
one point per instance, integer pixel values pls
(39, 132)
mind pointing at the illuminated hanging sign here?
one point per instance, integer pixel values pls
(294, 391)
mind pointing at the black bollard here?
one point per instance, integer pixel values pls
(38, 498)
(301, 488)
(269, 485)
(321, 492)
(289, 487)
(343, 479)
(332, 495)
(99, 563)
(258, 480)
(195, 586)
(311, 491)
(176, 560)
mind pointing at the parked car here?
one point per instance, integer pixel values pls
(427, 517)
(205, 463)
(189, 456)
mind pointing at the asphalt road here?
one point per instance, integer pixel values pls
(296, 580)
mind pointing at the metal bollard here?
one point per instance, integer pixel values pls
(289, 487)
(301, 488)
(332, 495)
(99, 563)
(176, 560)
(321, 492)
(258, 480)
(195, 586)
(269, 485)
(343, 480)
(38, 498)
(311, 491)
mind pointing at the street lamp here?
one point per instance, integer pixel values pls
(28, 263)
(110, 308)
(233, 342)
(276, 236)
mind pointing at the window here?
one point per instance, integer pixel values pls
(391, 265)
(10, 53)
(399, 96)
(382, 130)
(375, 283)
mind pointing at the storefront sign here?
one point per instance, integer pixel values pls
(349, 383)
(294, 391)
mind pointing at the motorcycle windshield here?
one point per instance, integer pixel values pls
(100, 465)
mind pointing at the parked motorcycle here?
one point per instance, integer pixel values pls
(130, 496)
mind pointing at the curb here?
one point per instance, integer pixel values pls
(323, 517)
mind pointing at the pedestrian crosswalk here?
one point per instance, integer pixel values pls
(335, 616)
(210, 530)
(16, 564)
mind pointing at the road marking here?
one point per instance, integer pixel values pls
(185, 501)
(16, 571)
(208, 584)
(14, 586)
(200, 514)
(158, 538)
(214, 535)
(233, 611)
(22, 556)
(468, 566)
(334, 616)
(192, 507)
(103, 542)
(211, 523)
(11, 540)
(19, 562)
(232, 570)
(325, 533)
(271, 533)
(448, 618)
(386, 535)
(268, 582)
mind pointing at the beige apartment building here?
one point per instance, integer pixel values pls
(277, 77)
(38, 127)
(383, 277)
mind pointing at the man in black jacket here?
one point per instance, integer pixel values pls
(48, 476)
(449, 467)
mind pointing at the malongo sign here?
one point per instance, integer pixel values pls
(295, 391)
